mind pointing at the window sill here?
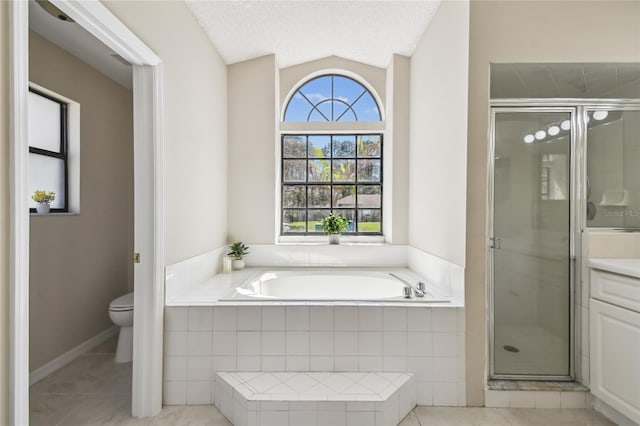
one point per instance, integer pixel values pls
(323, 240)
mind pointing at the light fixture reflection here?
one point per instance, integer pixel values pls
(540, 134)
(600, 115)
(565, 125)
(553, 130)
(529, 139)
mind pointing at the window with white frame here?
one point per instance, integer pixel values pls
(339, 172)
(48, 148)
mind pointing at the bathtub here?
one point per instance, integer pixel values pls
(328, 285)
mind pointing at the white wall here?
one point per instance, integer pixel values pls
(438, 135)
(252, 94)
(195, 112)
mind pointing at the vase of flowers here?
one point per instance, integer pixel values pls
(333, 225)
(238, 251)
(44, 200)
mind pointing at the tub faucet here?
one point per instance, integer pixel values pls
(419, 290)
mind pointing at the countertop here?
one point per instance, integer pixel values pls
(629, 267)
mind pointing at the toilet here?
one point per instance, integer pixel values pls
(121, 313)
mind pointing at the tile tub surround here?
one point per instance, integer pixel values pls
(298, 399)
(189, 276)
(425, 341)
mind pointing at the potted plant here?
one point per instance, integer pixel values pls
(44, 200)
(333, 225)
(238, 251)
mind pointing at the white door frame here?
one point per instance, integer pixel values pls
(148, 186)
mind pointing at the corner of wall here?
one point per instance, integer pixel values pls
(4, 212)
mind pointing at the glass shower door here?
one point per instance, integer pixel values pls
(530, 244)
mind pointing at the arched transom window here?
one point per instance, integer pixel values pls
(333, 171)
(332, 98)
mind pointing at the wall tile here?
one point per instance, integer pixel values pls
(370, 343)
(175, 343)
(420, 344)
(297, 317)
(224, 318)
(249, 318)
(200, 343)
(346, 343)
(176, 319)
(321, 318)
(394, 343)
(200, 318)
(273, 343)
(522, 399)
(346, 318)
(445, 394)
(224, 343)
(445, 320)
(445, 344)
(496, 399)
(394, 319)
(199, 393)
(175, 368)
(419, 319)
(297, 343)
(547, 399)
(199, 368)
(321, 343)
(273, 318)
(370, 319)
(248, 343)
(175, 393)
(573, 399)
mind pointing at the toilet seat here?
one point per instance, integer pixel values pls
(122, 303)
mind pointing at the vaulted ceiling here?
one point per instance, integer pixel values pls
(304, 30)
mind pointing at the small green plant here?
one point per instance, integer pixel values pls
(334, 224)
(238, 250)
(43, 197)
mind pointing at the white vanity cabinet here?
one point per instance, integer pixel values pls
(614, 314)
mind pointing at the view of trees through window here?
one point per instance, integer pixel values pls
(332, 173)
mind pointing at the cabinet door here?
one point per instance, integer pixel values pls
(615, 357)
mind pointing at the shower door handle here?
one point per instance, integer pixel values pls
(495, 243)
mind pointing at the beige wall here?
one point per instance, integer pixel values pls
(195, 111)
(4, 213)
(439, 74)
(524, 31)
(252, 113)
(79, 263)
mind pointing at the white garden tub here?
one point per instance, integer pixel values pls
(325, 285)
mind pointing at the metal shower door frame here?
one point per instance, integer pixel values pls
(523, 106)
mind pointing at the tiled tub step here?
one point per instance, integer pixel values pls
(314, 399)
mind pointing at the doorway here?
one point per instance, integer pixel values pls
(531, 243)
(148, 221)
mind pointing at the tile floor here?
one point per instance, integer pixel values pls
(93, 390)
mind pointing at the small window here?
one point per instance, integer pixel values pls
(331, 173)
(48, 164)
(332, 98)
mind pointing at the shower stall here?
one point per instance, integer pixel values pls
(557, 165)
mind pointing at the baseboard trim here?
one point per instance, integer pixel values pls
(57, 363)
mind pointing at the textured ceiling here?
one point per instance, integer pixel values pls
(300, 31)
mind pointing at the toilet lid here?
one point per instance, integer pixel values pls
(122, 303)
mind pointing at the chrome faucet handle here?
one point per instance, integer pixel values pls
(421, 290)
(407, 290)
